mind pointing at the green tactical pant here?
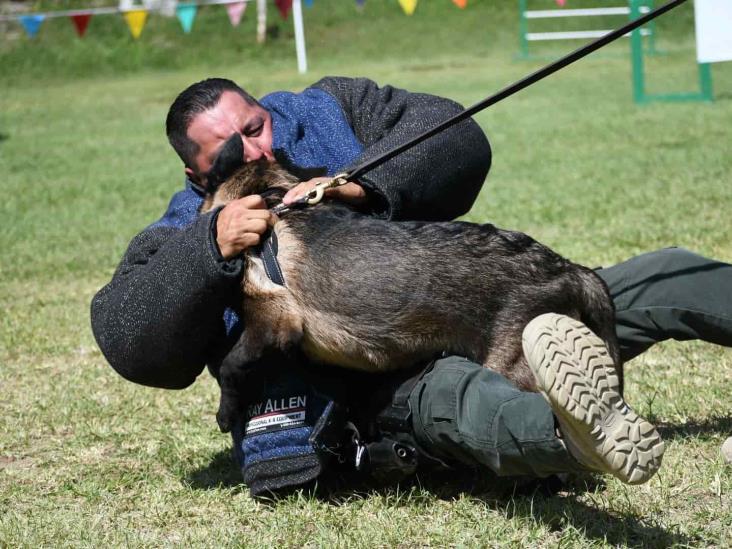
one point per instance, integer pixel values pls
(465, 414)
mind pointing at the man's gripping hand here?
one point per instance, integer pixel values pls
(241, 223)
(350, 193)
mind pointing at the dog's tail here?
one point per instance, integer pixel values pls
(597, 312)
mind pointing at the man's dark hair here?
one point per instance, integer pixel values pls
(195, 99)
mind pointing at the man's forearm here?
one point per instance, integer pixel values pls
(159, 318)
(432, 181)
(436, 180)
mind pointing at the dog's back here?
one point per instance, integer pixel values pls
(391, 294)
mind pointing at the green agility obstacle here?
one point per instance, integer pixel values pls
(639, 81)
(527, 36)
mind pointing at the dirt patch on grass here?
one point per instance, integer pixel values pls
(12, 462)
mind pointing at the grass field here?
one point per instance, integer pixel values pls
(87, 459)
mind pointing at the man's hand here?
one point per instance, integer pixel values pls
(350, 193)
(241, 223)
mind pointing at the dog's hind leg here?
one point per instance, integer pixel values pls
(506, 355)
(597, 311)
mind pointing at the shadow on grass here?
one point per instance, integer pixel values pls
(220, 472)
(3, 136)
(549, 502)
(615, 528)
(717, 425)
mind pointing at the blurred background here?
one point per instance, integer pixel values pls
(578, 163)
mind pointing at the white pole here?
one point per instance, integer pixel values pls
(302, 60)
(261, 21)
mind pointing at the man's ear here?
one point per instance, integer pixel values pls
(195, 178)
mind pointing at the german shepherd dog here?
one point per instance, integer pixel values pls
(370, 294)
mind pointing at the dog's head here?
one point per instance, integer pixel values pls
(261, 177)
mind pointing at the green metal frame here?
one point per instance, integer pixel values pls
(650, 44)
(640, 96)
(523, 29)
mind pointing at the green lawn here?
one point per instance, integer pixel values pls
(88, 459)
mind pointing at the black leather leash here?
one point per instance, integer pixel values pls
(315, 195)
(232, 155)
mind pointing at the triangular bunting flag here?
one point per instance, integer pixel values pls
(186, 14)
(308, 3)
(460, 3)
(408, 6)
(81, 22)
(360, 3)
(235, 12)
(136, 21)
(561, 3)
(284, 6)
(31, 23)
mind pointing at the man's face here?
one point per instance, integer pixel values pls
(231, 115)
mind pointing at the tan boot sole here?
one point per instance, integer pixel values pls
(576, 375)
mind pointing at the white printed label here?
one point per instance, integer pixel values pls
(275, 414)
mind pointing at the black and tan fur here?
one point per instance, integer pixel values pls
(376, 295)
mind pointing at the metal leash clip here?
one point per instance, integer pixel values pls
(314, 196)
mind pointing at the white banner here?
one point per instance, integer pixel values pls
(713, 30)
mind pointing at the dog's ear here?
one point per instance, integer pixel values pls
(229, 160)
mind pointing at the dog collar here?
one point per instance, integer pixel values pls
(267, 252)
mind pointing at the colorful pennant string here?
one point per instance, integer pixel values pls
(31, 23)
(561, 3)
(236, 11)
(186, 15)
(136, 21)
(81, 22)
(284, 6)
(408, 6)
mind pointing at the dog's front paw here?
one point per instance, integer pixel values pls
(227, 412)
(225, 417)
